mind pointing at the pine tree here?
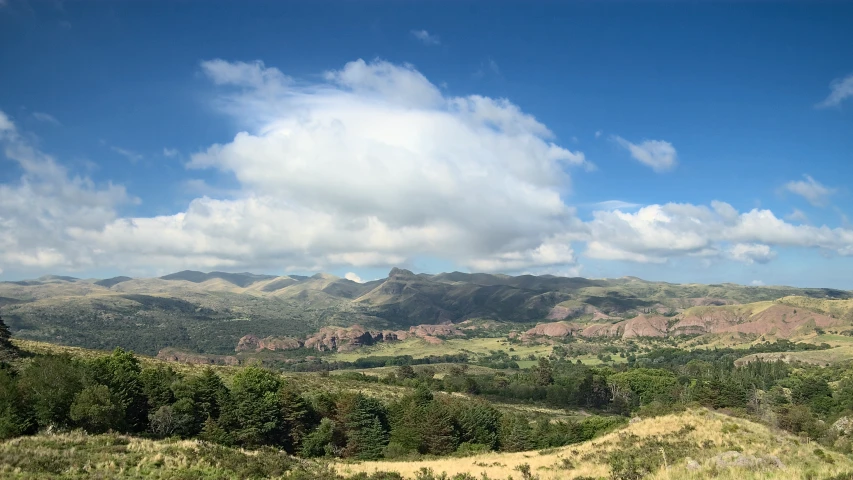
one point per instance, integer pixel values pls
(253, 412)
(438, 435)
(5, 335)
(6, 348)
(543, 372)
(13, 418)
(213, 433)
(319, 442)
(367, 429)
(295, 417)
(515, 434)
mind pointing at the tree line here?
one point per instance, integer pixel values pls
(258, 408)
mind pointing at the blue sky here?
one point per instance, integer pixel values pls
(681, 141)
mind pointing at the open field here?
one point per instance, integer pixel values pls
(418, 348)
(814, 357)
(673, 440)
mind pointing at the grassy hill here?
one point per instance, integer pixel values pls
(209, 312)
(696, 444)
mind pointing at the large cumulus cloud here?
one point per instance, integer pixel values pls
(371, 165)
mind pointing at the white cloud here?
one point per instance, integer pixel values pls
(46, 117)
(39, 210)
(750, 253)
(129, 154)
(757, 283)
(371, 167)
(170, 152)
(426, 38)
(354, 277)
(656, 233)
(813, 191)
(840, 90)
(598, 133)
(797, 215)
(658, 154)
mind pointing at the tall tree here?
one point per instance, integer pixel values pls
(5, 334)
(295, 418)
(121, 373)
(253, 412)
(96, 410)
(367, 429)
(14, 420)
(7, 350)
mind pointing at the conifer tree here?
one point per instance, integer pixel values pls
(6, 347)
(367, 429)
(5, 334)
(295, 417)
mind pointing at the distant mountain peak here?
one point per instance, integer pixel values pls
(400, 273)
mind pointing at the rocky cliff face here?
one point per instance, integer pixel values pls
(340, 339)
(251, 343)
(556, 329)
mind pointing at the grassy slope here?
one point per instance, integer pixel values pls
(590, 458)
(77, 455)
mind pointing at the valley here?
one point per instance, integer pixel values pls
(425, 377)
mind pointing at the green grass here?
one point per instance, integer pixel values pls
(814, 357)
(418, 348)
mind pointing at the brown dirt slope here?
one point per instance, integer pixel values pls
(782, 319)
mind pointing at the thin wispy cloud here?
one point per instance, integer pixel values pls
(813, 191)
(426, 38)
(840, 90)
(797, 216)
(660, 155)
(615, 205)
(170, 152)
(46, 118)
(488, 66)
(129, 154)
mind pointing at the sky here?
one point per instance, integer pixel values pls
(686, 142)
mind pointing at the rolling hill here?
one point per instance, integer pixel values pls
(209, 312)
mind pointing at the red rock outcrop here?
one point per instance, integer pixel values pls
(646, 326)
(434, 330)
(556, 329)
(251, 343)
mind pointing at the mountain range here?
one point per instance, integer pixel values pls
(211, 312)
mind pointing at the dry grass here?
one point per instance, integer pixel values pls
(77, 455)
(704, 433)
